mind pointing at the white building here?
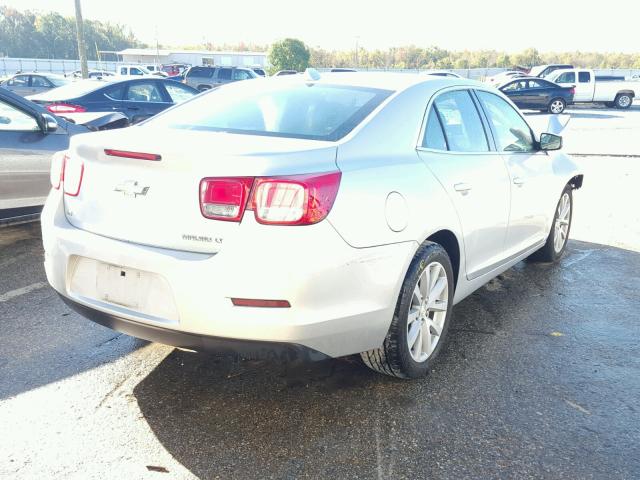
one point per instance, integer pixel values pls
(152, 56)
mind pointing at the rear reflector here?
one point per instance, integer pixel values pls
(56, 173)
(72, 175)
(224, 198)
(250, 302)
(134, 155)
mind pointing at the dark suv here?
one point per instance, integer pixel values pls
(206, 78)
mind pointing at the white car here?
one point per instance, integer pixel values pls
(315, 216)
(503, 77)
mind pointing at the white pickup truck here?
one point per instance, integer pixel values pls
(616, 93)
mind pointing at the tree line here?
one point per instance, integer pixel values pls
(50, 35)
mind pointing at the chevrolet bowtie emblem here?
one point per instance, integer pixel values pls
(131, 188)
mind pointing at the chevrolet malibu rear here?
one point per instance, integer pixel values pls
(304, 216)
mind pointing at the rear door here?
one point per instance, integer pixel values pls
(39, 84)
(25, 155)
(456, 149)
(584, 87)
(143, 99)
(223, 75)
(529, 172)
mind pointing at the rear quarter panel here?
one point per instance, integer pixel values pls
(381, 160)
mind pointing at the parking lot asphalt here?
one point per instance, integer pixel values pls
(540, 379)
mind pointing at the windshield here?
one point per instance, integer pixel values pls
(283, 109)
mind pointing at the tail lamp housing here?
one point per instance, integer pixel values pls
(67, 173)
(289, 200)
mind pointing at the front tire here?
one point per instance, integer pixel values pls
(556, 242)
(557, 106)
(421, 318)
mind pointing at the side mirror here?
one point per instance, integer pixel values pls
(549, 141)
(50, 124)
(5, 120)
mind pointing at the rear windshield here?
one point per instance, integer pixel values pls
(282, 109)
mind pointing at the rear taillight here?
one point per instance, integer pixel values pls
(224, 198)
(290, 200)
(134, 155)
(295, 200)
(572, 91)
(65, 108)
(57, 169)
(72, 175)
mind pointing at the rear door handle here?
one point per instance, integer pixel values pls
(462, 187)
(518, 181)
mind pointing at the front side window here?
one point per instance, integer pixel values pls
(14, 120)
(136, 71)
(514, 86)
(433, 134)
(513, 133)
(567, 77)
(461, 122)
(144, 92)
(37, 81)
(241, 75)
(300, 110)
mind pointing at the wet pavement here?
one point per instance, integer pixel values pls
(540, 379)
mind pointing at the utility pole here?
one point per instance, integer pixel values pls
(82, 52)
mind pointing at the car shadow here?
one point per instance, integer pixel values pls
(493, 405)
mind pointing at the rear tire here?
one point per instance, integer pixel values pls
(557, 106)
(421, 318)
(203, 88)
(556, 242)
(623, 101)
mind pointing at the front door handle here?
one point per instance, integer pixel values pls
(518, 181)
(133, 108)
(462, 187)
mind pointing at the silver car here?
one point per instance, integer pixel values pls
(206, 78)
(315, 215)
(25, 84)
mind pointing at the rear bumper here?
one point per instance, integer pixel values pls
(202, 343)
(342, 298)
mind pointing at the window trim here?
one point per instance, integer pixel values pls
(471, 91)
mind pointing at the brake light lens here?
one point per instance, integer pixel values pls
(56, 173)
(65, 108)
(572, 91)
(294, 200)
(72, 175)
(224, 198)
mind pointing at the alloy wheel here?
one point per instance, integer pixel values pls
(561, 227)
(557, 106)
(427, 312)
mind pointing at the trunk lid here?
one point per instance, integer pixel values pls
(156, 203)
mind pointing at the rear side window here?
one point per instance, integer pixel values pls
(241, 75)
(461, 122)
(280, 109)
(115, 93)
(37, 81)
(584, 77)
(512, 132)
(433, 134)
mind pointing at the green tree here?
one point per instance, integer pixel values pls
(289, 54)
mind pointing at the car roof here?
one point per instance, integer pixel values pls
(380, 80)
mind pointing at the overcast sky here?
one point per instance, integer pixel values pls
(512, 25)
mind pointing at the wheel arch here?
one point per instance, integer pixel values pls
(448, 240)
(631, 93)
(576, 181)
